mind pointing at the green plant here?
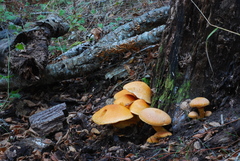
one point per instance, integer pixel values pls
(206, 47)
(146, 80)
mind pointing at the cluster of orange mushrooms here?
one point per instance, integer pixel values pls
(131, 105)
(200, 103)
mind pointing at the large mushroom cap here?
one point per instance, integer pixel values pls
(110, 114)
(155, 117)
(138, 106)
(140, 89)
(199, 102)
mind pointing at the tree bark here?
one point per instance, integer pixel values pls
(183, 70)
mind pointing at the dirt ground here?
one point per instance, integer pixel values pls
(212, 138)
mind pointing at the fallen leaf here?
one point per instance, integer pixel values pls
(127, 55)
(58, 136)
(95, 131)
(197, 145)
(208, 136)
(72, 149)
(8, 120)
(97, 33)
(199, 135)
(214, 124)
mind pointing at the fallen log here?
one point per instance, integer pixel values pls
(139, 25)
(90, 60)
(142, 31)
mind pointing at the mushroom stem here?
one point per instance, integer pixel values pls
(159, 128)
(201, 113)
(155, 138)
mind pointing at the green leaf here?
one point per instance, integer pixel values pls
(76, 43)
(146, 80)
(40, 17)
(81, 21)
(211, 33)
(93, 11)
(20, 46)
(62, 12)
(14, 94)
(81, 28)
(100, 25)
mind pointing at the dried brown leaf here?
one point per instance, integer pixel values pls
(97, 33)
(199, 135)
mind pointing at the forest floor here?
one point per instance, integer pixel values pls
(212, 138)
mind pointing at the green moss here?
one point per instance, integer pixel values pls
(170, 93)
(169, 89)
(183, 91)
(166, 95)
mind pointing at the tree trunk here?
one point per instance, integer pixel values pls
(183, 70)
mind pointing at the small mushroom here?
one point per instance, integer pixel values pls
(193, 115)
(140, 89)
(122, 124)
(200, 103)
(125, 100)
(208, 113)
(111, 114)
(122, 93)
(138, 105)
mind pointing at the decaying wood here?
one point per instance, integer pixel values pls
(143, 30)
(90, 59)
(48, 121)
(30, 62)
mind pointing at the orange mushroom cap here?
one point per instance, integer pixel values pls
(155, 117)
(122, 93)
(138, 105)
(140, 89)
(193, 115)
(122, 124)
(110, 114)
(125, 100)
(199, 102)
(208, 113)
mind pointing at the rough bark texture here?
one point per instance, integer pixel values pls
(30, 62)
(183, 70)
(48, 121)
